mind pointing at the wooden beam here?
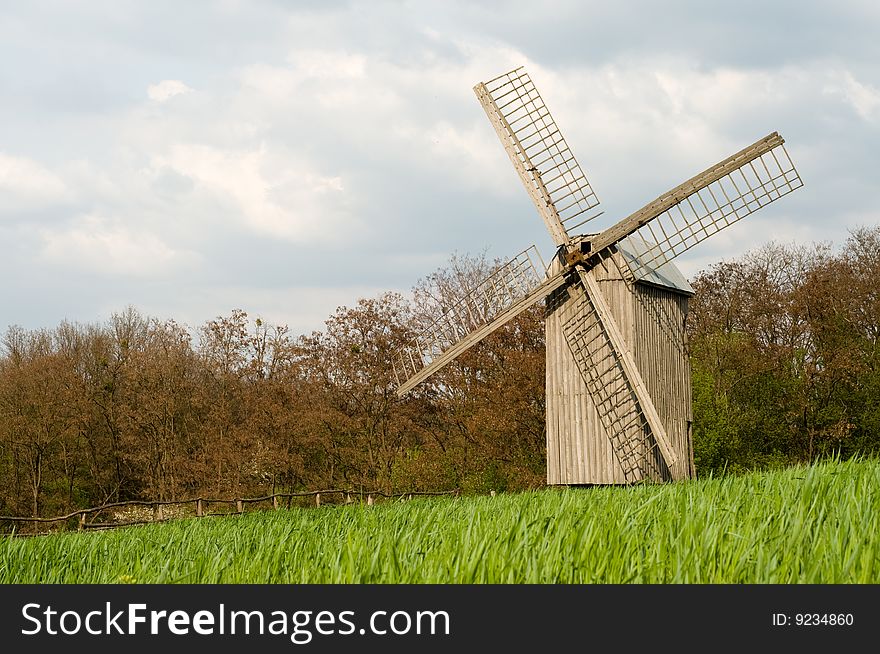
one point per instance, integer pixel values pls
(630, 369)
(538, 293)
(669, 199)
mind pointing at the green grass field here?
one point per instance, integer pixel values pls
(817, 524)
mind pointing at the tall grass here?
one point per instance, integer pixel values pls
(816, 524)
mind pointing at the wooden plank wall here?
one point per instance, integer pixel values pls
(661, 355)
(578, 449)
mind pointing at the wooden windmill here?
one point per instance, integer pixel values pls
(618, 378)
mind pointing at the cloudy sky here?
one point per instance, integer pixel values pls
(286, 158)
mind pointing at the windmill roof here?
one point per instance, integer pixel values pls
(665, 276)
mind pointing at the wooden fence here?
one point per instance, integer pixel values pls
(89, 518)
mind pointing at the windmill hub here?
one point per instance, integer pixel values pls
(618, 377)
(575, 252)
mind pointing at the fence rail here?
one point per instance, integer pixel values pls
(201, 503)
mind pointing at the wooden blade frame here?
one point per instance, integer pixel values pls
(542, 159)
(707, 203)
(609, 370)
(509, 291)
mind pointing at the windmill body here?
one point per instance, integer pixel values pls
(651, 315)
(618, 378)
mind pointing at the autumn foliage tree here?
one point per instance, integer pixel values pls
(785, 346)
(785, 355)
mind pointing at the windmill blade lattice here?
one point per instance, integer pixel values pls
(711, 201)
(544, 162)
(510, 290)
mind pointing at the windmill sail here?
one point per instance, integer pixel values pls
(510, 290)
(707, 203)
(545, 164)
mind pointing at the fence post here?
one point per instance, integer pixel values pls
(82, 521)
(369, 500)
(275, 502)
(239, 506)
(199, 511)
(317, 499)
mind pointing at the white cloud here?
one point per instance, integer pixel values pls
(102, 245)
(664, 108)
(272, 193)
(25, 184)
(166, 89)
(328, 64)
(864, 98)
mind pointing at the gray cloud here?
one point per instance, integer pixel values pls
(191, 158)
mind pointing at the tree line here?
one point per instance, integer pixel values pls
(784, 350)
(785, 355)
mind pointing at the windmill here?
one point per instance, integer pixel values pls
(618, 406)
